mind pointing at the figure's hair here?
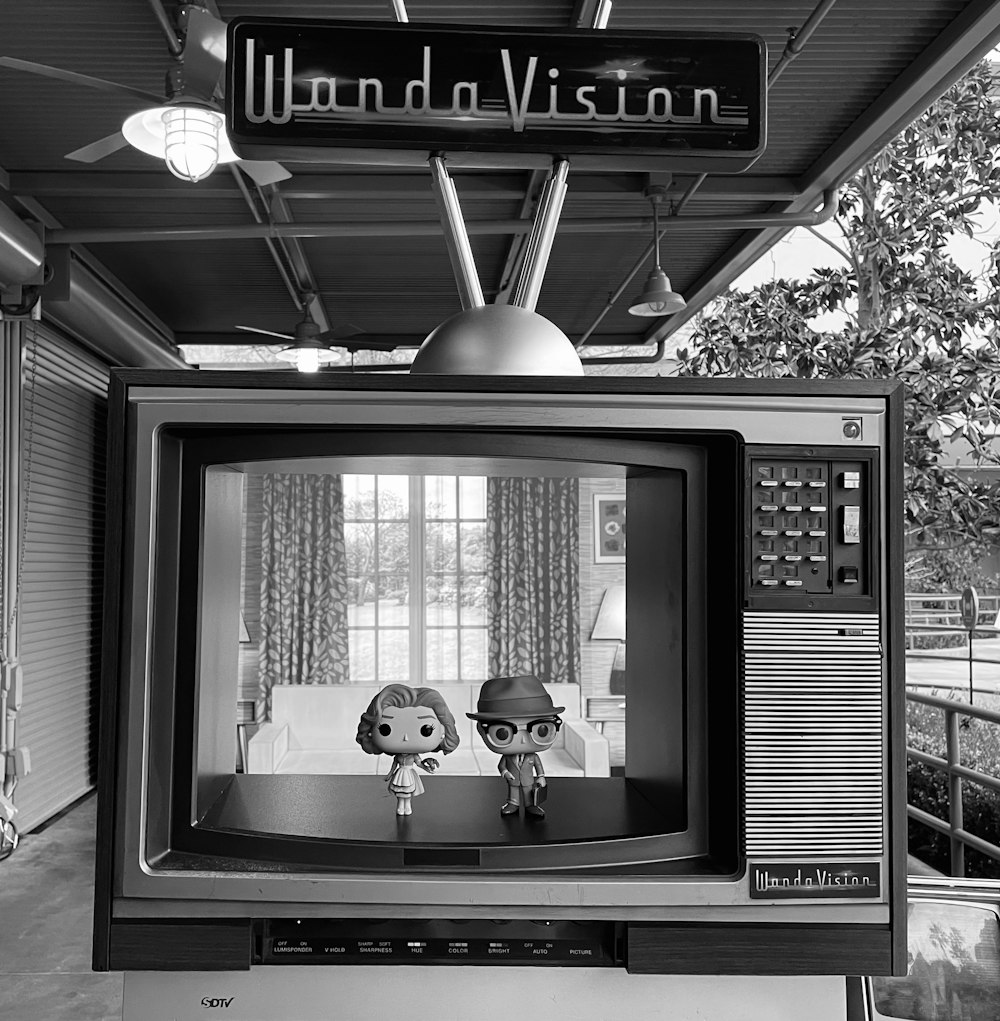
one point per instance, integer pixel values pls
(401, 696)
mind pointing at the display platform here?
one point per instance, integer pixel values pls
(533, 994)
(453, 810)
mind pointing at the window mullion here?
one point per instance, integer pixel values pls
(418, 583)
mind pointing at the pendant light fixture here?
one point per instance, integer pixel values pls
(188, 132)
(657, 298)
(189, 137)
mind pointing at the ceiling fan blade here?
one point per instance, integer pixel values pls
(363, 342)
(340, 332)
(74, 78)
(266, 333)
(263, 171)
(204, 52)
(99, 149)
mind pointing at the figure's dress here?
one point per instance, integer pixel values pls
(403, 777)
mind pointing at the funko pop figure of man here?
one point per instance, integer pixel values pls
(516, 719)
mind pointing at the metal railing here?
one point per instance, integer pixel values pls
(940, 615)
(954, 826)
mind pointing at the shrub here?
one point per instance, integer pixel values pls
(927, 788)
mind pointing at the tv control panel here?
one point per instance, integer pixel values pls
(439, 941)
(811, 527)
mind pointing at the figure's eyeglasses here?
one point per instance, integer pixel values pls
(501, 732)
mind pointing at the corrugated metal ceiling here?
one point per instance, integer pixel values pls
(864, 57)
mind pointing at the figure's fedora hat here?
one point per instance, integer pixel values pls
(503, 697)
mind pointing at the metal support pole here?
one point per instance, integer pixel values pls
(972, 632)
(463, 262)
(543, 232)
(10, 553)
(956, 819)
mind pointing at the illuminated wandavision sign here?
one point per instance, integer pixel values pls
(296, 88)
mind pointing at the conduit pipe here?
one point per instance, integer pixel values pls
(430, 228)
(174, 45)
(798, 38)
(543, 232)
(22, 253)
(102, 320)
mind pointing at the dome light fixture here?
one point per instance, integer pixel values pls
(497, 340)
(657, 298)
(189, 136)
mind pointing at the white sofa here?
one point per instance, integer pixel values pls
(313, 729)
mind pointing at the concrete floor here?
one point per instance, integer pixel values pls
(46, 914)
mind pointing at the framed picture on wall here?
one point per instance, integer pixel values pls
(609, 529)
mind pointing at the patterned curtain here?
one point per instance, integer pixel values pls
(533, 546)
(303, 588)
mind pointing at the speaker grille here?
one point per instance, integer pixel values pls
(813, 715)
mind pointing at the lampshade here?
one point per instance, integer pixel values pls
(657, 299)
(190, 137)
(500, 340)
(610, 623)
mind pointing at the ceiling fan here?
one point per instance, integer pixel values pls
(311, 346)
(188, 130)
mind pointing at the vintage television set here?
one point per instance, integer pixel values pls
(759, 805)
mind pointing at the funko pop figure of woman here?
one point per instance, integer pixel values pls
(405, 723)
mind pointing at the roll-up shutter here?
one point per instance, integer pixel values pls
(64, 412)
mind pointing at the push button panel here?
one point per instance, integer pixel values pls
(790, 525)
(808, 523)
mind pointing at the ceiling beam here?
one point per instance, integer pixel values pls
(157, 184)
(228, 339)
(432, 228)
(966, 40)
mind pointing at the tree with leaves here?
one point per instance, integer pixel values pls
(909, 311)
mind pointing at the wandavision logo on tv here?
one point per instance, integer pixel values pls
(340, 82)
(806, 880)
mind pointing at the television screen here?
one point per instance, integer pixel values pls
(406, 565)
(953, 971)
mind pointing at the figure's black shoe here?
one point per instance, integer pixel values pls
(538, 813)
(509, 808)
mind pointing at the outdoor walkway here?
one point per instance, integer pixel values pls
(950, 670)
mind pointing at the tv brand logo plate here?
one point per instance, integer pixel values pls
(791, 880)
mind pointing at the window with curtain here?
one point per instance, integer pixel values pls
(303, 597)
(416, 578)
(533, 554)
